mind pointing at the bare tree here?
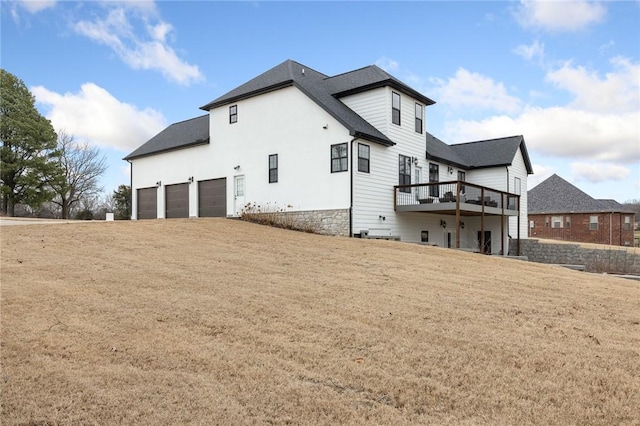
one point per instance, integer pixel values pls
(83, 165)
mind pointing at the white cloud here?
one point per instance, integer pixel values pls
(533, 52)
(96, 116)
(150, 52)
(472, 90)
(559, 15)
(618, 91)
(35, 6)
(598, 172)
(388, 64)
(561, 132)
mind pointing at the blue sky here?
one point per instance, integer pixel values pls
(564, 74)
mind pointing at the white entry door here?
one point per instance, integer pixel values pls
(238, 194)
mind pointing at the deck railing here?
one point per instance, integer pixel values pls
(451, 192)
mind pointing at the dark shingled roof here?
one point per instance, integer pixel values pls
(556, 195)
(478, 154)
(324, 91)
(178, 135)
(440, 151)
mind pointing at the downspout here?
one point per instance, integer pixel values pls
(131, 188)
(351, 190)
(610, 229)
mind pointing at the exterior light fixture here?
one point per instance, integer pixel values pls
(158, 184)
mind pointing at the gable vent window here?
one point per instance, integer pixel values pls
(395, 108)
(419, 115)
(233, 114)
(339, 158)
(273, 168)
(364, 153)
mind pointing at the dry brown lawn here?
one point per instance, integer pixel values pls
(224, 322)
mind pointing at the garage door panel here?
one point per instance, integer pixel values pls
(177, 200)
(147, 203)
(212, 198)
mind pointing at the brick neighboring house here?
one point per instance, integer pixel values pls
(560, 211)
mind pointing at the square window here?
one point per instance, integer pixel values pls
(364, 152)
(233, 114)
(273, 168)
(395, 108)
(339, 158)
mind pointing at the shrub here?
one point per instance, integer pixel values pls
(272, 215)
(85, 214)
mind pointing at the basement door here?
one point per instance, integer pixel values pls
(177, 201)
(487, 242)
(147, 201)
(238, 195)
(212, 198)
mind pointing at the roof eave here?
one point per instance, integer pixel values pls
(226, 101)
(133, 156)
(391, 83)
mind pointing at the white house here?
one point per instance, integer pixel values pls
(349, 152)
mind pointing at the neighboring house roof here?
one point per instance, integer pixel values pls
(479, 154)
(184, 134)
(556, 195)
(324, 91)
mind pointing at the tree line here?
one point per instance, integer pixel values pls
(44, 173)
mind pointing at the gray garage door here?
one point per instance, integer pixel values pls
(177, 200)
(148, 203)
(212, 198)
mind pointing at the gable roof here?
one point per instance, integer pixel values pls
(324, 91)
(184, 134)
(556, 195)
(479, 154)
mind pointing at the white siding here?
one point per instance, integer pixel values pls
(518, 169)
(284, 122)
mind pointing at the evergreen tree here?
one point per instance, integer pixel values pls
(29, 160)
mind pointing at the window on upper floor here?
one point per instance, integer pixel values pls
(419, 115)
(404, 172)
(233, 114)
(273, 168)
(395, 108)
(462, 177)
(517, 186)
(434, 177)
(339, 158)
(364, 153)
(627, 223)
(593, 223)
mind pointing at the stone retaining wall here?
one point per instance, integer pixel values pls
(606, 259)
(326, 222)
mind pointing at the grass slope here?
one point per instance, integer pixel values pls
(224, 322)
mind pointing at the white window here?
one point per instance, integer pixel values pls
(627, 223)
(593, 223)
(517, 184)
(556, 221)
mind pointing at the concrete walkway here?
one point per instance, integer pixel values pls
(14, 221)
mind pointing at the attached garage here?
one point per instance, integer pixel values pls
(177, 201)
(147, 203)
(212, 198)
